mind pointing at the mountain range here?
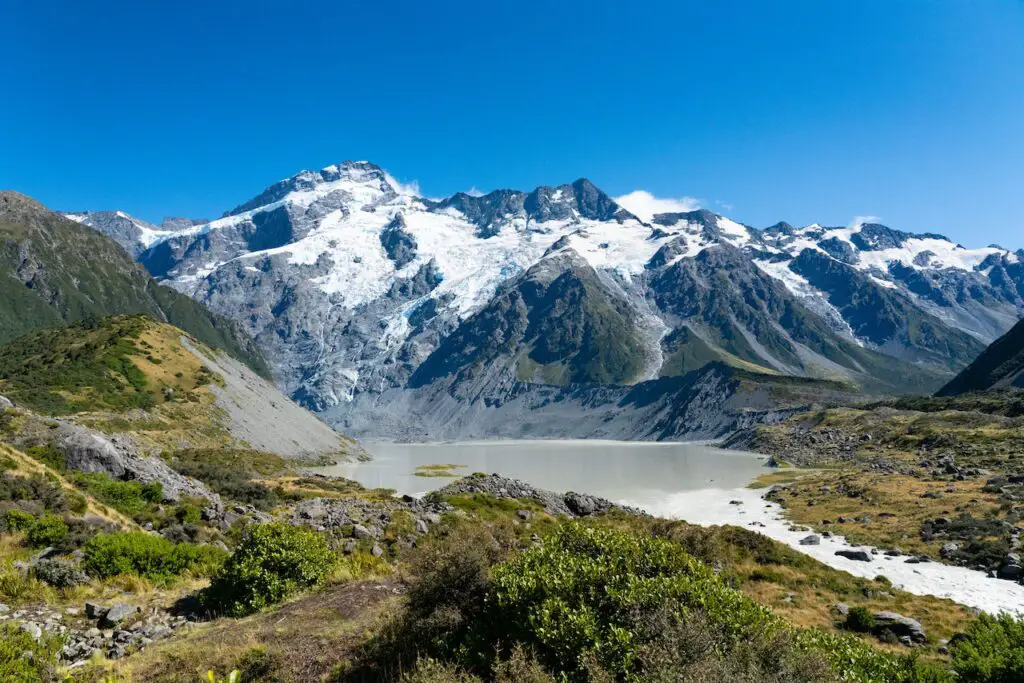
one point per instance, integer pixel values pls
(398, 315)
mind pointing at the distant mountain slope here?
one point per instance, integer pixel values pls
(359, 289)
(134, 235)
(1000, 366)
(132, 375)
(54, 270)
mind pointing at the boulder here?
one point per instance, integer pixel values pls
(95, 611)
(901, 626)
(86, 450)
(5, 403)
(812, 539)
(117, 614)
(858, 555)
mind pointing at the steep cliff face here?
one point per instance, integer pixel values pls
(367, 296)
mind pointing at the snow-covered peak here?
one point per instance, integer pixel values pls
(133, 234)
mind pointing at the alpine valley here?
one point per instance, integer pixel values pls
(400, 316)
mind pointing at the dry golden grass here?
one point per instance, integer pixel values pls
(894, 503)
(304, 640)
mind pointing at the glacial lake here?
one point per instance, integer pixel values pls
(699, 484)
(640, 473)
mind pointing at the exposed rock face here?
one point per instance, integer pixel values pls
(86, 450)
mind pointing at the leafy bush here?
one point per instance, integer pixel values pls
(59, 573)
(128, 497)
(640, 608)
(34, 488)
(991, 651)
(271, 562)
(49, 455)
(860, 620)
(575, 597)
(47, 531)
(230, 472)
(18, 520)
(40, 667)
(147, 555)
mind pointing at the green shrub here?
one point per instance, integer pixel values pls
(991, 651)
(148, 555)
(230, 472)
(34, 488)
(590, 599)
(127, 497)
(573, 597)
(59, 573)
(47, 531)
(18, 520)
(860, 620)
(271, 562)
(40, 667)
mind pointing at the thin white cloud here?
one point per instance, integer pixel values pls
(410, 188)
(861, 220)
(645, 205)
(475, 192)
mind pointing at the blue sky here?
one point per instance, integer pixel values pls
(805, 111)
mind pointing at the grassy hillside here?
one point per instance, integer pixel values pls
(1000, 366)
(109, 364)
(53, 271)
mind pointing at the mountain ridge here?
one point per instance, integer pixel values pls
(352, 281)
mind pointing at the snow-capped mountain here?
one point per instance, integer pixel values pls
(133, 234)
(391, 313)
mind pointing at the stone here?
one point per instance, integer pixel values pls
(33, 629)
(117, 614)
(858, 555)
(949, 549)
(5, 403)
(360, 531)
(421, 526)
(812, 539)
(523, 514)
(841, 608)
(901, 626)
(376, 551)
(95, 611)
(349, 547)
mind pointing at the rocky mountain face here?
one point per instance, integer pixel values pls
(372, 301)
(134, 235)
(1001, 366)
(54, 270)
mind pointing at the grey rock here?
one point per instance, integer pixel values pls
(858, 555)
(900, 625)
(376, 551)
(117, 614)
(812, 539)
(33, 629)
(95, 610)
